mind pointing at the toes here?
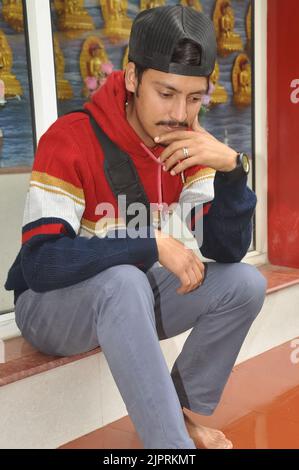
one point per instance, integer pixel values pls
(223, 443)
(229, 445)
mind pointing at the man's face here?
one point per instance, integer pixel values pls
(164, 102)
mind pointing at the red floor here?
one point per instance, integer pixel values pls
(259, 408)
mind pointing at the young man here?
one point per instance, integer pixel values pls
(76, 287)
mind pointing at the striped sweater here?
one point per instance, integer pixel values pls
(65, 231)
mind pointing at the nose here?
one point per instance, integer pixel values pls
(179, 110)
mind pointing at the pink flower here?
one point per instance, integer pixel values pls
(91, 83)
(207, 98)
(2, 89)
(107, 68)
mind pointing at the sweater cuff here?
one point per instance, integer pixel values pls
(223, 178)
(143, 249)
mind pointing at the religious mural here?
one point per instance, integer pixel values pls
(91, 40)
(16, 136)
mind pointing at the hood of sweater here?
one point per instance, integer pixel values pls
(108, 108)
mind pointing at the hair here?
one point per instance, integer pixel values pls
(187, 52)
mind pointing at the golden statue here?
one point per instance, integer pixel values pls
(219, 94)
(193, 4)
(72, 16)
(64, 89)
(117, 23)
(224, 22)
(94, 64)
(12, 12)
(147, 4)
(248, 29)
(241, 79)
(11, 84)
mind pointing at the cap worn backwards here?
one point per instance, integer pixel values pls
(156, 32)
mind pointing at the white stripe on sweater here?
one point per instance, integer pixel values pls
(41, 203)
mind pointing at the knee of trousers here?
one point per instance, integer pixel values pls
(125, 280)
(247, 287)
(128, 292)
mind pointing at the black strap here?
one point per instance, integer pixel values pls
(120, 172)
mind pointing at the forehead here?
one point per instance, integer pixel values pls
(181, 83)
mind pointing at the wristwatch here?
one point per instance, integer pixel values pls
(242, 168)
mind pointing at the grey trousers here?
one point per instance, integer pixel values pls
(126, 312)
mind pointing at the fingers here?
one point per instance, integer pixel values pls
(181, 261)
(199, 273)
(175, 147)
(190, 281)
(173, 136)
(182, 166)
(192, 277)
(178, 158)
(180, 134)
(195, 281)
(185, 283)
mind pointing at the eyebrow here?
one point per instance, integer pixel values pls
(170, 87)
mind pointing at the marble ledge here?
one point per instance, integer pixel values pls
(21, 360)
(279, 277)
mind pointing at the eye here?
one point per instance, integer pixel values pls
(195, 99)
(165, 95)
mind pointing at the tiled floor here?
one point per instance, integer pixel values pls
(259, 408)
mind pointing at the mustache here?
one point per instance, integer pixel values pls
(172, 124)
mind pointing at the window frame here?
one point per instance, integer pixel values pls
(259, 255)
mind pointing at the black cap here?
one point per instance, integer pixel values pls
(156, 32)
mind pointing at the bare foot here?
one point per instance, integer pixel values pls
(206, 438)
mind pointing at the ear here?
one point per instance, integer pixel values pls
(130, 77)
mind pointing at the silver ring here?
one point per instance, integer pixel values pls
(185, 152)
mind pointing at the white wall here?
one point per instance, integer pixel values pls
(13, 190)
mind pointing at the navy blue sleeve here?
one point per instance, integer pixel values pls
(227, 227)
(62, 261)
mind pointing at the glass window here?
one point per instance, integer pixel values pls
(230, 116)
(16, 134)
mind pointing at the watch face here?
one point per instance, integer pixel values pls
(245, 163)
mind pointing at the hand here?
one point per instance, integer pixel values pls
(181, 261)
(202, 147)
